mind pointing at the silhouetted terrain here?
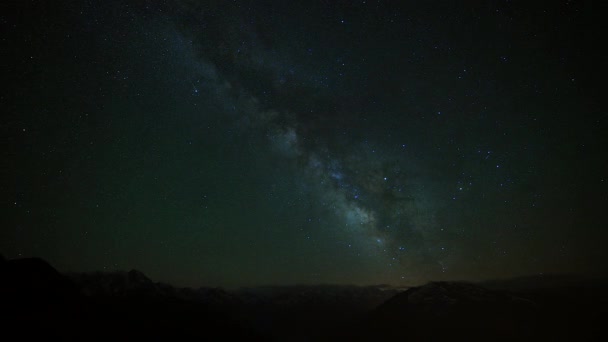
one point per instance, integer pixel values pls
(38, 301)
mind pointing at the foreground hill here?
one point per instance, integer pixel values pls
(39, 302)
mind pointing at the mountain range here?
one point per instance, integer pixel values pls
(39, 302)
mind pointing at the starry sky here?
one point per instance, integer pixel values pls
(238, 143)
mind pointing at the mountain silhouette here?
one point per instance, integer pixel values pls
(450, 308)
(43, 303)
(470, 311)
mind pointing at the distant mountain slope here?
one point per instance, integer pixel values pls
(464, 310)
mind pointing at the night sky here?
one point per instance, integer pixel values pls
(243, 143)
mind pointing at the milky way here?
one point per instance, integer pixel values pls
(233, 143)
(380, 202)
